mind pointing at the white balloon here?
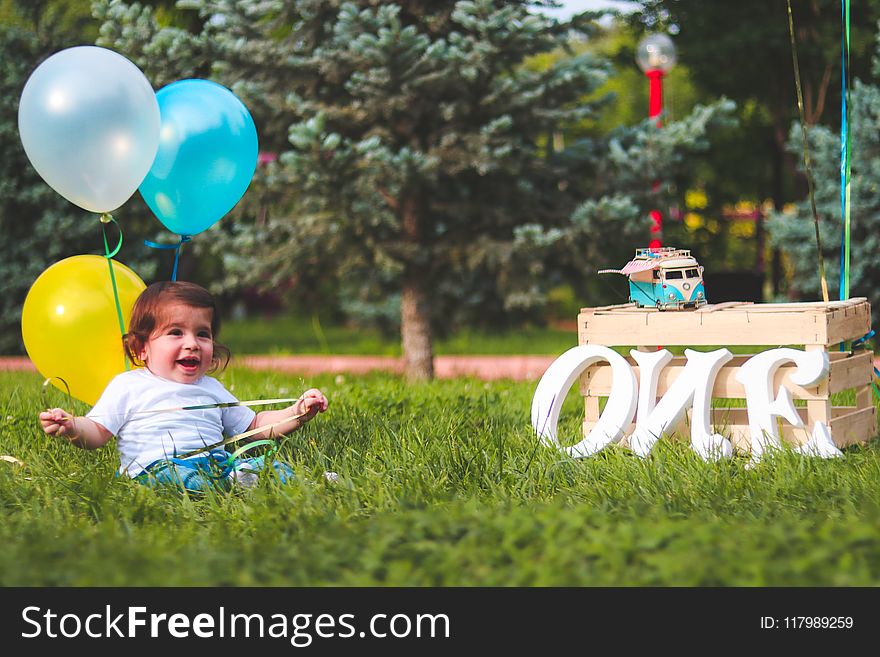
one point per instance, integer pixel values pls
(89, 123)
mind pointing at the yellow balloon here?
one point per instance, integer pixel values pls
(70, 326)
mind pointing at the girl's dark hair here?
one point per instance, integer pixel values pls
(148, 314)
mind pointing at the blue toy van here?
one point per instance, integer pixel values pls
(664, 278)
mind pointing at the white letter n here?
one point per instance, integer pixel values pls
(693, 386)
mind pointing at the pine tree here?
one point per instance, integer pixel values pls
(416, 150)
(38, 226)
(794, 232)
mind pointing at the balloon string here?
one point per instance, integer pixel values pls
(45, 401)
(845, 149)
(201, 407)
(46, 383)
(246, 434)
(106, 219)
(183, 240)
(807, 165)
(273, 445)
(231, 461)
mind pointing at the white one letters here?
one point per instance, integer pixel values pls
(693, 387)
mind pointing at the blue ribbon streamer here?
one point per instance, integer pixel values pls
(845, 154)
(183, 240)
(860, 343)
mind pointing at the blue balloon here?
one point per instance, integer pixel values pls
(206, 158)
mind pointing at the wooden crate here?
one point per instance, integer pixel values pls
(808, 325)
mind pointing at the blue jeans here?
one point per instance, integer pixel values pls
(212, 470)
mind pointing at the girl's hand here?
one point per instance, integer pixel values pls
(310, 404)
(58, 422)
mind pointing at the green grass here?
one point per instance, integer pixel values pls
(298, 335)
(289, 334)
(441, 484)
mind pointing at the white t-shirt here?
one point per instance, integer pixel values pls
(143, 439)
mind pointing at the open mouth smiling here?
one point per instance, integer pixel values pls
(189, 363)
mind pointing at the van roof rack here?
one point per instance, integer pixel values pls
(663, 252)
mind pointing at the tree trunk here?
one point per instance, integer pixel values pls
(415, 331)
(415, 318)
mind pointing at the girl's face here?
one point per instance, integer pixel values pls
(182, 347)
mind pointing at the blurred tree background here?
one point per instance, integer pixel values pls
(422, 182)
(38, 225)
(742, 50)
(428, 166)
(792, 230)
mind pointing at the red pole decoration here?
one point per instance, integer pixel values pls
(655, 108)
(655, 93)
(656, 229)
(655, 55)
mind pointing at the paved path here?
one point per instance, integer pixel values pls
(519, 368)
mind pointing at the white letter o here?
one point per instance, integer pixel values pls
(558, 379)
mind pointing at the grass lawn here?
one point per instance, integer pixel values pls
(440, 484)
(300, 335)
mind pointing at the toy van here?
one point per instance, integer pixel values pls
(664, 278)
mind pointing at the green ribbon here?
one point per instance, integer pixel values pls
(230, 462)
(106, 219)
(242, 436)
(257, 443)
(845, 149)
